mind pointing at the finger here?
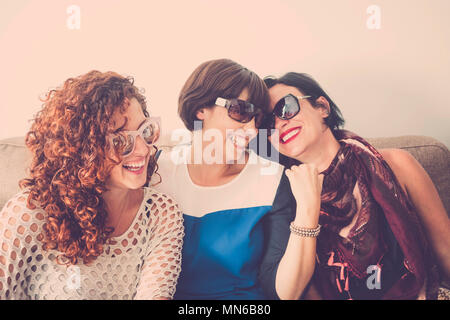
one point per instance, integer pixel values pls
(290, 177)
(288, 173)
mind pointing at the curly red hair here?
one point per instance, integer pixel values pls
(70, 163)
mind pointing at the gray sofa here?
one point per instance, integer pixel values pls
(432, 154)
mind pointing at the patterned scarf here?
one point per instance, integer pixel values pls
(382, 253)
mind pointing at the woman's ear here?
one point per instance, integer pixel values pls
(324, 106)
(200, 114)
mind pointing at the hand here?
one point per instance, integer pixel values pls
(306, 184)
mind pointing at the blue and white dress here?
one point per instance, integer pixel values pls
(224, 226)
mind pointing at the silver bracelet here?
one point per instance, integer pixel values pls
(304, 232)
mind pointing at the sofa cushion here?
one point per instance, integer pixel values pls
(432, 154)
(14, 159)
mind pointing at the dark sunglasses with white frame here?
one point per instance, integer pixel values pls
(240, 110)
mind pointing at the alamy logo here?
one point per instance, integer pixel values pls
(74, 18)
(374, 19)
(74, 277)
(374, 280)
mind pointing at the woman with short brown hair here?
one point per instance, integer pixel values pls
(222, 187)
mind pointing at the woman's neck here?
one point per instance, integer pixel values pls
(120, 203)
(205, 173)
(322, 153)
(116, 197)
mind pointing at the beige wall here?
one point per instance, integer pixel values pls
(388, 82)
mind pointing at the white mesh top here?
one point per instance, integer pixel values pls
(142, 263)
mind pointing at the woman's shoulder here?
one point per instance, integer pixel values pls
(17, 212)
(397, 157)
(405, 167)
(156, 195)
(162, 213)
(156, 200)
(21, 226)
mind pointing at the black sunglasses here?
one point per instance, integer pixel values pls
(240, 110)
(286, 108)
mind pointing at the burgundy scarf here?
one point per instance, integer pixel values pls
(385, 231)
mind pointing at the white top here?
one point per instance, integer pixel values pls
(224, 226)
(142, 263)
(254, 186)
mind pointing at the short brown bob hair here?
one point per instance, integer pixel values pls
(219, 78)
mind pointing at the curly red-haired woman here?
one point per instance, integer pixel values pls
(83, 226)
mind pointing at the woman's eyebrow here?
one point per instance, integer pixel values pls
(122, 126)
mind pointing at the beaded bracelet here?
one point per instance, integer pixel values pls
(304, 232)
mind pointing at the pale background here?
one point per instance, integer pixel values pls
(388, 82)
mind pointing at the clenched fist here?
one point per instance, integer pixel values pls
(306, 185)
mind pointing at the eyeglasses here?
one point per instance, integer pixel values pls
(286, 108)
(240, 110)
(124, 142)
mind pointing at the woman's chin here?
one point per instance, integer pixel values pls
(235, 153)
(134, 186)
(134, 180)
(294, 152)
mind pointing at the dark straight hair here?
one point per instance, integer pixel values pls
(308, 86)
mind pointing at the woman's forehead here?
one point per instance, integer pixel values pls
(244, 94)
(279, 91)
(130, 119)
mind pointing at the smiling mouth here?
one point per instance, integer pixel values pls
(289, 135)
(135, 167)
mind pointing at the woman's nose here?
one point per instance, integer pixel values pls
(140, 147)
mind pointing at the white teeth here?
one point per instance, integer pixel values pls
(238, 140)
(133, 169)
(135, 164)
(290, 135)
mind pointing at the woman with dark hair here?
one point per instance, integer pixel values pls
(371, 243)
(226, 192)
(84, 227)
